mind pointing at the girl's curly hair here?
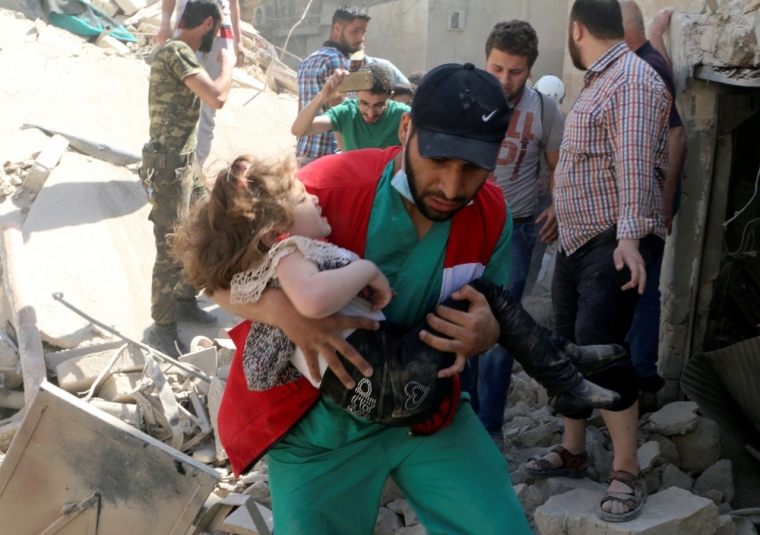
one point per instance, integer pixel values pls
(229, 231)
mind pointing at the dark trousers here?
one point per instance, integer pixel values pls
(590, 307)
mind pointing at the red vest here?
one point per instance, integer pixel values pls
(250, 423)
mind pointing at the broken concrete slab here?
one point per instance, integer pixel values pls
(387, 523)
(130, 7)
(402, 507)
(530, 498)
(78, 374)
(726, 526)
(109, 7)
(699, 449)
(676, 418)
(74, 451)
(673, 477)
(668, 449)
(649, 456)
(118, 388)
(719, 477)
(52, 360)
(125, 412)
(545, 435)
(107, 42)
(44, 163)
(670, 512)
(204, 360)
(90, 209)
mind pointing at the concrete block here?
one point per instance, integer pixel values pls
(402, 507)
(673, 477)
(51, 154)
(111, 43)
(649, 456)
(388, 522)
(108, 6)
(78, 374)
(36, 178)
(675, 419)
(205, 455)
(89, 210)
(130, 7)
(671, 512)
(699, 449)
(125, 412)
(668, 449)
(390, 492)
(718, 477)
(205, 360)
(545, 435)
(726, 526)
(215, 393)
(118, 388)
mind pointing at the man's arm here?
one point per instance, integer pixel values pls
(308, 121)
(213, 92)
(639, 112)
(550, 230)
(314, 336)
(166, 31)
(237, 36)
(676, 158)
(657, 29)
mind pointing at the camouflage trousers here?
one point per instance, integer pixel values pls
(172, 187)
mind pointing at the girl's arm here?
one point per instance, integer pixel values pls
(318, 294)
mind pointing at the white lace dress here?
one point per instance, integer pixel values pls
(266, 357)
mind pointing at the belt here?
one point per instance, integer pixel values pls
(520, 220)
(158, 160)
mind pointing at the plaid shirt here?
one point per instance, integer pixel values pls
(614, 155)
(312, 75)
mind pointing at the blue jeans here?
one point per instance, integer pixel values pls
(644, 335)
(490, 374)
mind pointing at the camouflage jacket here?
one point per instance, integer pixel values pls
(174, 109)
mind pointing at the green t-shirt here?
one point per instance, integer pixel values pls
(347, 120)
(414, 267)
(174, 109)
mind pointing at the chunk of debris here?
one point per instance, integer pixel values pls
(699, 449)
(670, 512)
(387, 523)
(673, 477)
(44, 164)
(718, 477)
(676, 418)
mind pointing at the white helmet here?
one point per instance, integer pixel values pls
(551, 86)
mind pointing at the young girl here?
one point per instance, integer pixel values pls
(259, 228)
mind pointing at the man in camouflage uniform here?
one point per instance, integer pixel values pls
(177, 86)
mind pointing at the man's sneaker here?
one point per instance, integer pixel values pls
(165, 339)
(188, 310)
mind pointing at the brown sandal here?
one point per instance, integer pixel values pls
(634, 500)
(573, 466)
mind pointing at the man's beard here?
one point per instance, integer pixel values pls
(575, 52)
(511, 97)
(346, 45)
(207, 41)
(429, 213)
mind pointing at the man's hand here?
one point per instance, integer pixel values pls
(331, 85)
(325, 337)
(225, 58)
(667, 200)
(164, 34)
(549, 231)
(471, 333)
(239, 54)
(627, 254)
(660, 23)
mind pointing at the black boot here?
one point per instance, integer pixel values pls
(549, 358)
(166, 339)
(188, 310)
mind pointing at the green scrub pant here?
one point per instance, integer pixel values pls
(327, 475)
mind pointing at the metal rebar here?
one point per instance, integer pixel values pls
(58, 296)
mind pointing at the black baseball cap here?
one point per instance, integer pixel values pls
(461, 112)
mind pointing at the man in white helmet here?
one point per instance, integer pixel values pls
(536, 128)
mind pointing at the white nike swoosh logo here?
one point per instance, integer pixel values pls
(486, 118)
